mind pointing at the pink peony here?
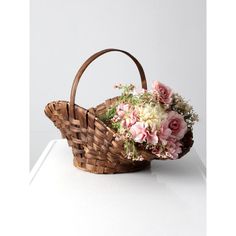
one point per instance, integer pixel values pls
(122, 109)
(140, 134)
(174, 126)
(173, 148)
(164, 92)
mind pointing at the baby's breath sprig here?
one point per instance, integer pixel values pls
(130, 150)
(126, 89)
(180, 105)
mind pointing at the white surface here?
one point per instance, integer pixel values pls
(167, 36)
(167, 200)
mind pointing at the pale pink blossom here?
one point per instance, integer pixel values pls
(122, 109)
(152, 137)
(138, 132)
(164, 92)
(164, 132)
(129, 120)
(174, 126)
(139, 91)
(173, 148)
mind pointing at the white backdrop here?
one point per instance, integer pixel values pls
(166, 36)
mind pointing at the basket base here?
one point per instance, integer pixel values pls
(138, 166)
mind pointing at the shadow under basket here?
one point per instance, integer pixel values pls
(93, 143)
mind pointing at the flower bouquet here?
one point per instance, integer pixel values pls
(157, 120)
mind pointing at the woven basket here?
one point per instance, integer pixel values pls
(93, 143)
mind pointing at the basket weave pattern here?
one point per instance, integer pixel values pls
(94, 146)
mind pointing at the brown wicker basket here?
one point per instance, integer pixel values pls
(93, 143)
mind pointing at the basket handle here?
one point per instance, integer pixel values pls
(86, 64)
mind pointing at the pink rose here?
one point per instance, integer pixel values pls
(173, 148)
(164, 93)
(138, 131)
(122, 109)
(140, 134)
(174, 126)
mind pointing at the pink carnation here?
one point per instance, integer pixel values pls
(122, 109)
(164, 93)
(164, 132)
(131, 119)
(152, 137)
(138, 131)
(173, 148)
(174, 126)
(140, 134)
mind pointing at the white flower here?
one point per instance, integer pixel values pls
(152, 115)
